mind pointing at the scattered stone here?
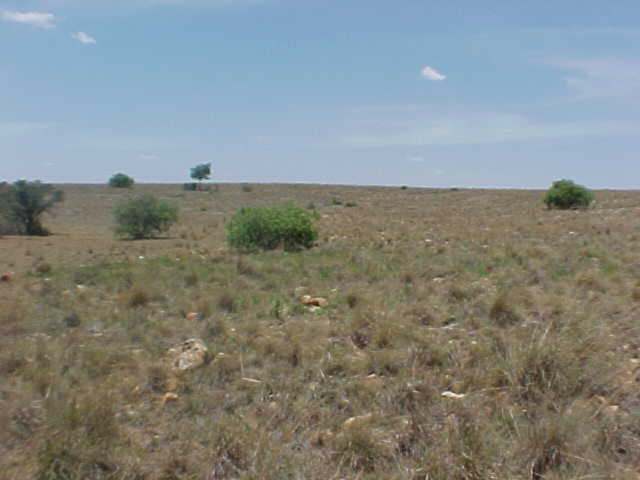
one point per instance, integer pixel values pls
(359, 421)
(191, 354)
(72, 320)
(452, 395)
(6, 277)
(310, 301)
(169, 397)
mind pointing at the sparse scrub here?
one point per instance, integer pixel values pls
(565, 194)
(461, 340)
(144, 217)
(288, 226)
(121, 180)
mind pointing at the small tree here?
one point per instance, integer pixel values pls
(201, 172)
(144, 217)
(565, 194)
(121, 180)
(23, 203)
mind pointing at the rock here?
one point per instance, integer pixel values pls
(310, 301)
(72, 320)
(191, 354)
(355, 422)
(6, 277)
(169, 397)
(452, 395)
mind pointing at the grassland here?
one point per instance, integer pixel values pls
(527, 320)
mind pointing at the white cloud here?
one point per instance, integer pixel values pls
(431, 73)
(35, 19)
(602, 77)
(84, 38)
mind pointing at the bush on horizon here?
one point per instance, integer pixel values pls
(565, 195)
(267, 228)
(144, 217)
(121, 180)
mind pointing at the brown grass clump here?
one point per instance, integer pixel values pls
(502, 311)
(138, 297)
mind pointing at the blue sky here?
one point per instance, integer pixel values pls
(465, 93)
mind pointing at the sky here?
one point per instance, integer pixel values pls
(404, 92)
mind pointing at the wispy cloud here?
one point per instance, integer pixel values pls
(84, 38)
(35, 19)
(431, 73)
(15, 129)
(602, 77)
(470, 128)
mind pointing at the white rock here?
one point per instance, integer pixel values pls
(191, 354)
(452, 395)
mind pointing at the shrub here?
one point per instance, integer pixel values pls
(190, 187)
(565, 194)
(121, 180)
(23, 203)
(268, 228)
(144, 217)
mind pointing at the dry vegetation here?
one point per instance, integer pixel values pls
(528, 318)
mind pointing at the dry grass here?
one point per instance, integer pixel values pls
(528, 317)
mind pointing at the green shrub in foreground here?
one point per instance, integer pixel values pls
(144, 217)
(268, 228)
(121, 180)
(565, 194)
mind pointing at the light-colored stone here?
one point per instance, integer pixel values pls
(452, 395)
(310, 301)
(191, 354)
(169, 397)
(355, 422)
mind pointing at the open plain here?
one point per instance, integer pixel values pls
(462, 334)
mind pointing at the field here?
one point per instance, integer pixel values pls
(468, 334)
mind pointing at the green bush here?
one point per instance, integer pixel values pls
(144, 217)
(267, 228)
(22, 205)
(201, 172)
(565, 194)
(121, 180)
